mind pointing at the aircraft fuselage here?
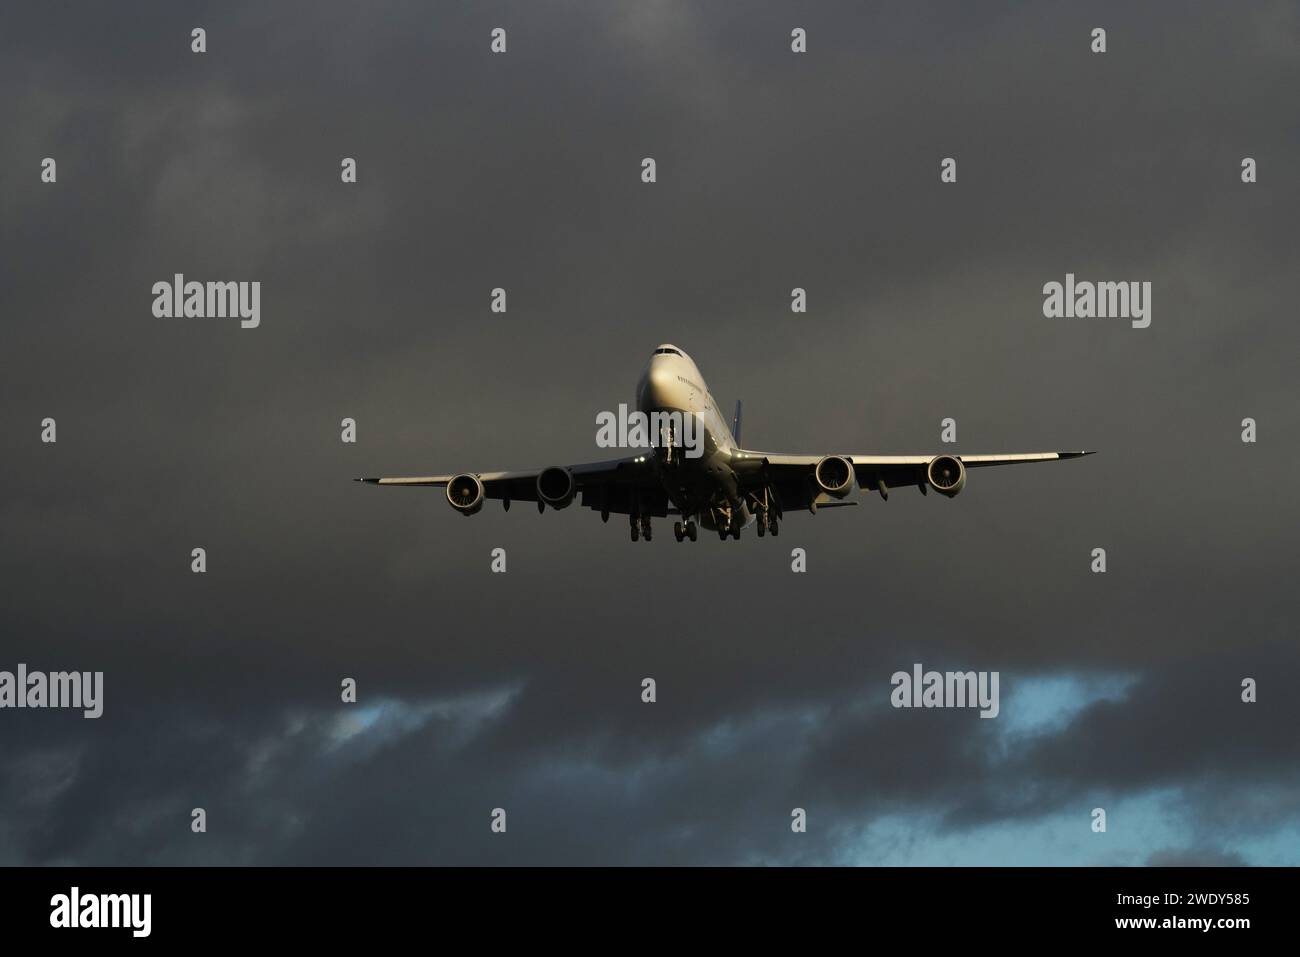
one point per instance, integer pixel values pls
(705, 485)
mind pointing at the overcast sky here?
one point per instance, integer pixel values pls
(522, 691)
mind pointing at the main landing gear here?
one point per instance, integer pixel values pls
(724, 519)
(767, 513)
(728, 521)
(640, 526)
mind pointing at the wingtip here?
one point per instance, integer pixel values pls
(1075, 455)
(372, 481)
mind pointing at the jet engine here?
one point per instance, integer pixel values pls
(465, 493)
(946, 475)
(834, 475)
(556, 487)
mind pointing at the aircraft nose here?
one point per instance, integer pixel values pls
(661, 381)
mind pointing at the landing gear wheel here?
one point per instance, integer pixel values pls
(722, 533)
(645, 529)
(636, 532)
(678, 532)
(762, 525)
(775, 528)
(692, 530)
(735, 531)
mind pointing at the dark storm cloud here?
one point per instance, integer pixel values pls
(521, 171)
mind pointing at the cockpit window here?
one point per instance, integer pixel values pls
(672, 352)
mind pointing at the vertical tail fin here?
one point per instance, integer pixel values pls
(735, 425)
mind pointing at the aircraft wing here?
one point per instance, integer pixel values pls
(615, 485)
(791, 476)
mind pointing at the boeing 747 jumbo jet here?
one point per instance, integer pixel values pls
(710, 481)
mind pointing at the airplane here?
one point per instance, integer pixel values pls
(724, 488)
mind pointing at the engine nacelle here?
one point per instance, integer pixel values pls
(465, 493)
(946, 475)
(556, 487)
(834, 476)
